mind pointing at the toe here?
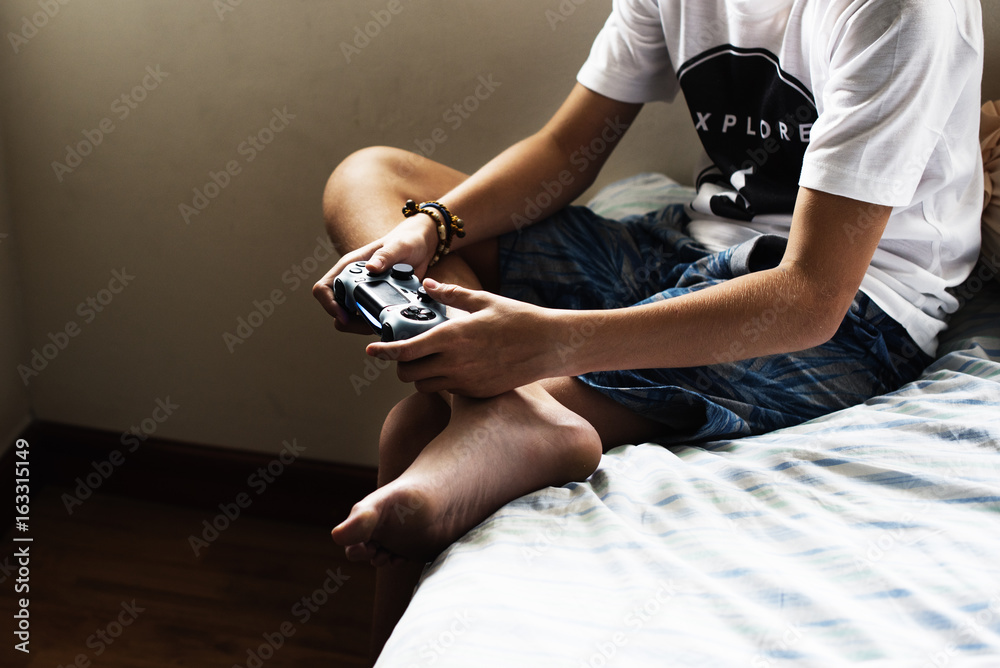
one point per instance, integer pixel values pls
(357, 528)
(360, 552)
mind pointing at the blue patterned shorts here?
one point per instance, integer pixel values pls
(578, 260)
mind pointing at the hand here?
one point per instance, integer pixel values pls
(498, 345)
(412, 242)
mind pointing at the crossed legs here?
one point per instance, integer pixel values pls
(447, 462)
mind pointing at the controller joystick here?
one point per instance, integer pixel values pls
(392, 302)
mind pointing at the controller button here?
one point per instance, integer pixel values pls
(422, 295)
(418, 313)
(402, 272)
(355, 270)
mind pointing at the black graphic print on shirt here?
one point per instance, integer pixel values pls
(754, 121)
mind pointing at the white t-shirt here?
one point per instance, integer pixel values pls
(876, 100)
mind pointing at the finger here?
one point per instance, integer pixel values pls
(342, 319)
(381, 259)
(358, 255)
(456, 296)
(323, 288)
(406, 350)
(421, 370)
(360, 552)
(324, 295)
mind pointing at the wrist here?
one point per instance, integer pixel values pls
(429, 232)
(424, 228)
(576, 340)
(449, 226)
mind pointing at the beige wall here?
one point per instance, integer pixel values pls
(991, 26)
(200, 84)
(15, 409)
(218, 81)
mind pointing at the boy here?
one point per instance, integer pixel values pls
(838, 201)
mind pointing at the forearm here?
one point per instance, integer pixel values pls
(525, 183)
(544, 172)
(762, 313)
(797, 305)
(503, 343)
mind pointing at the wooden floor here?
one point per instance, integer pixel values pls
(125, 568)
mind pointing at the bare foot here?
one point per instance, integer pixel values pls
(492, 451)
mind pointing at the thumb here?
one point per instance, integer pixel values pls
(384, 257)
(456, 296)
(379, 260)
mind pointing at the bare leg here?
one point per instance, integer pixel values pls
(364, 196)
(491, 452)
(437, 481)
(364, 199)
(411, 425)
(470, 471)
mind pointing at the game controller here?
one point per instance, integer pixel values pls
(393, 302)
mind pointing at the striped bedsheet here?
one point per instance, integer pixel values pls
(871, 535)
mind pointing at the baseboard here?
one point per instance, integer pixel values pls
(93, 461)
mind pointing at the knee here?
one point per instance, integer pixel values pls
(358, 172)
(379, 162)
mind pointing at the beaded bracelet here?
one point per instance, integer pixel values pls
(448, 225)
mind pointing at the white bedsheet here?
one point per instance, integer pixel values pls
(870, 535)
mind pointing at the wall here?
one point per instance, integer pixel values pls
(141, 255)
(131, 296)
(15, 410)
(991, 27)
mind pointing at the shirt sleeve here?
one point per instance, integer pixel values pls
(629, 60)
(898, 76)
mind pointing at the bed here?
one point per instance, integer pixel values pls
(869, 535)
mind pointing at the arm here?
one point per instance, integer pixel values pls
(798, 304)
(504, 344)
(566, 154)
(550, 169)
